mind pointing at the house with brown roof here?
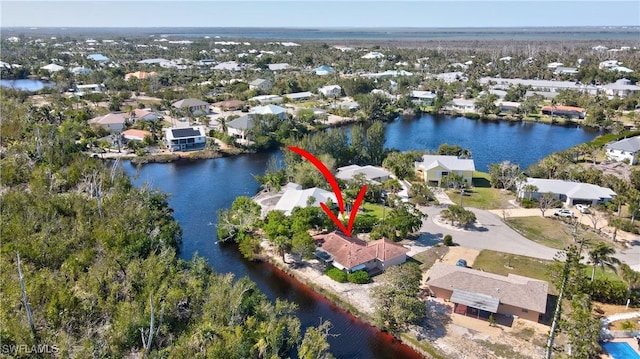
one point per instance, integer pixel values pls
(135, 135)
(487, 293)
(229, 105)
(564, 111)
(140, 75)
(351, 254)
(113, 121)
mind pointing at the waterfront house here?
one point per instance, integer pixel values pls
(481, 294)
(624, 150)
(331, 91)
(294, 196)
(270, 110)
(52, 68)
(371, 173)
(239, 127)
(508, 106)
(351, 254)
(193, 105)
(570, 193)
(135, 135)
(461, 105)
(564, 111)
(434, 167)
(185, 138)
(425, 98)
(260, 85)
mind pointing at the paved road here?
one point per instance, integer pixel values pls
(489, 233)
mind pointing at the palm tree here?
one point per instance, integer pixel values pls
(602, 255)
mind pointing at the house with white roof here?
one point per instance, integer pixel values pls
(79, 70)
(423, 97)
(450, 77)
(372, 174)
(88, 88)
(52, 68)
(294, 196)
(323, 70)
(373, 55)
(298, 96)
(331, 91)
(570, 193)
(185, 138)
(624, 150)
(621, 88)
(228, 66)
(267, 99)
(260, 84)
(269, 110)
(461, 105)
(279, 66)
(434, 167)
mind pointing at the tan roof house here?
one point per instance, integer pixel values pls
(352, 254)
(434, 167)
(141, 75)
(193, 105)
(135, 135)
(485, 293)
(114, 121)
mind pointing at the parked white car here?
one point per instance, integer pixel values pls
(583, 208)
(564, 213)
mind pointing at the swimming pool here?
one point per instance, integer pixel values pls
(620, 350)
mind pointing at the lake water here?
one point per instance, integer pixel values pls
(198, 189)
(26, 84)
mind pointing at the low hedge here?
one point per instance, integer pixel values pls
(358, 277)
(337, 275)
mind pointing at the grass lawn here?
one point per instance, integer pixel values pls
(481, 197)
(373, 209)
(505, 263)
(549, 232)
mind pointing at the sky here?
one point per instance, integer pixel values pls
(313, 13)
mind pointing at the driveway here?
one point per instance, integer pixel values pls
(489, 233)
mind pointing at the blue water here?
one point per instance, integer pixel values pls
(438, 34)
(199, 189)
(620, 350)
(26, 84)
(523, 143)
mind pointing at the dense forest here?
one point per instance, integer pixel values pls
(100, 272)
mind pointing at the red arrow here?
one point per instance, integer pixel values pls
(336, 190)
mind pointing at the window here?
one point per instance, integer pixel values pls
(525, 311)
(444, 173)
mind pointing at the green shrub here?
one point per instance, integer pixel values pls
(472, 115)
(358, 277)
(448, 240)
(529, 203)
(628, 325)
(337, 275)
(610, 292)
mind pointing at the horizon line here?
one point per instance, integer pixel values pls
(31, 27)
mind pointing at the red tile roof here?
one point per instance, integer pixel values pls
(350, 252)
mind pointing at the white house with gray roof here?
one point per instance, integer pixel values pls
(624, 150)
(294, 196)
(185, 138)
(331, 91)
(240, 126)
(260, 84)
(570, 193)
(370, 173)
(192, 105)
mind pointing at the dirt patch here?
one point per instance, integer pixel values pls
(618, 169)
(456, 253)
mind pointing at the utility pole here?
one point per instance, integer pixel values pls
(25, 299)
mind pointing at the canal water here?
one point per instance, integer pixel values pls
(26, 84)
(199, 189)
